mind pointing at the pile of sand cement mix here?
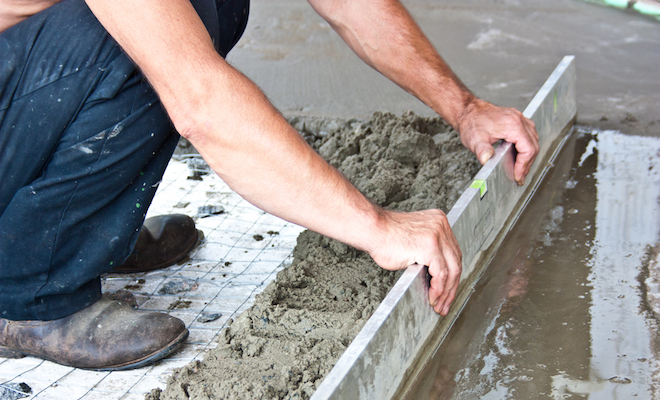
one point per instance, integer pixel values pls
(299, 326)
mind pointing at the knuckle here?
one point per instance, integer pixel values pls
(442, 275)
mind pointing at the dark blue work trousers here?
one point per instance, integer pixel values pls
(84, 142)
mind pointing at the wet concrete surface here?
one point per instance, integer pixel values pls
(502, 49)
(568, 306)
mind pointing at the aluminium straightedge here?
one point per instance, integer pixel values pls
(386, 352)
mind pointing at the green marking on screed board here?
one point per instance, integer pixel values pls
(481, 185)
(137, 205)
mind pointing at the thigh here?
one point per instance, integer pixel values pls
(83, 144)
(50, 64)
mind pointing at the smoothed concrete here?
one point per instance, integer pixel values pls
(503, 51)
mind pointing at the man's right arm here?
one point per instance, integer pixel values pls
(258, 154)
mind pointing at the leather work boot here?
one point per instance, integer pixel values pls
(109, 335)
(162, 241)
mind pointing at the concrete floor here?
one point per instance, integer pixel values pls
(502, 49)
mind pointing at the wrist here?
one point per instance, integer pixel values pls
(375, 229)
(453, 101)
(470, 105)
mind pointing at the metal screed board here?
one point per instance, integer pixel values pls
(390, 348)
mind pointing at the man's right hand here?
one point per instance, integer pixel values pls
(424, 238)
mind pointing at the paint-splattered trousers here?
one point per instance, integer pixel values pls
(84, 142)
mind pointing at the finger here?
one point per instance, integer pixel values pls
(527, 150)
(453, 264)
(442, 307)
(484, 152)
(530, 127)
(529, 122)
(438, 279)
(442, 300)
(520, 167)
(450, 299)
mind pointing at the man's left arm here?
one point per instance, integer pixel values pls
(384, 35)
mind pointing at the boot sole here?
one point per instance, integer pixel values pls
(149, 359)
(9, 353)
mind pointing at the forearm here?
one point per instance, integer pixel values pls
(384, 35)
(265, 160)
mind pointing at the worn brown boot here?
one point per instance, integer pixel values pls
(109, 335)
(162, 241)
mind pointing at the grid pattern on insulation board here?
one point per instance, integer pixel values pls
(242, 250)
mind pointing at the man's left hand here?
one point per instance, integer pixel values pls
(483, 124)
